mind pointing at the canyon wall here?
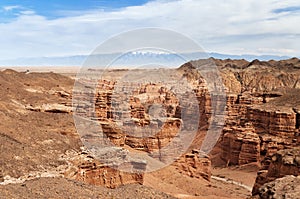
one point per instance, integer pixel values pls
(267, 99)
(145, 117)
(262, 114)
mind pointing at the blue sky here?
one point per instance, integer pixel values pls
(54, 8)
(37, 28)
(292, 9)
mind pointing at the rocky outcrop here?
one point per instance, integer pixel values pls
(51, 108)
(287, 187)
(273, 122)
(195, 164)
(275, 128)
(240, 145)
(124, 125)
(284, 162)
(237, 108)
(158, 140)
(268, 102)
(86, 168)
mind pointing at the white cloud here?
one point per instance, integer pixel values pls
(232, 26)
(27, 12)
(276, 50)
(10, 8)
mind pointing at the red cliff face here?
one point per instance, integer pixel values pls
(273, 122)
(276, 129)
(272, 129)
(240, 145)
(266, 96)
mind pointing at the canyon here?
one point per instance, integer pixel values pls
(259, 137)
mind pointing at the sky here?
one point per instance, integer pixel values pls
(39, 28)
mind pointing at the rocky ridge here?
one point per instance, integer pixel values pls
(286, 187)
(283, 163)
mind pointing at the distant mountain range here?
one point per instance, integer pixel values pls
(130, 59)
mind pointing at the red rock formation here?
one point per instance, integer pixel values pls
(123, 126)
(240, 145)
(106, 176)
(157, 141)
(271, 131)
(277, 123)
(263, 94)
(276, 129)
(286, 187)
(86, 169)
(251, 87)
(195, 164)
(237, 108)
(284, 162)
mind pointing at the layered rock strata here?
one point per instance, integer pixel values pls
(110, 174)
(241, 145)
